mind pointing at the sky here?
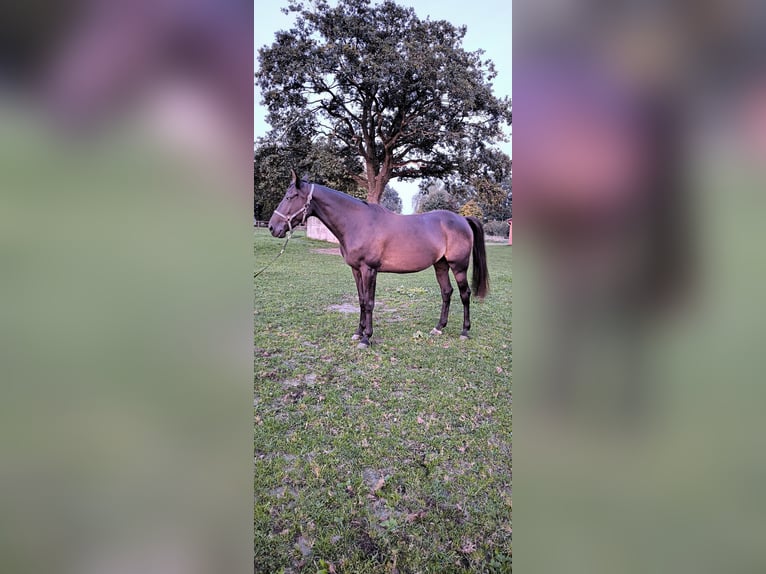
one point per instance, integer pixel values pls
(489, 25)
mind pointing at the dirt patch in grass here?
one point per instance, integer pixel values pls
(308, 380)
(326, 250)
(382, 311)
(343, 308)
(365, 542)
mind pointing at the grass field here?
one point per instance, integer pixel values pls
(396, 458)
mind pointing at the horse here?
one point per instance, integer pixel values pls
(375, 240)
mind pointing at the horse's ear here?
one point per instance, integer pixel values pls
(294, 179)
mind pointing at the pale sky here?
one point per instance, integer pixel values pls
(489, 25)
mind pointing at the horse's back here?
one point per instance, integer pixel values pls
(431, 227)
(412, 243)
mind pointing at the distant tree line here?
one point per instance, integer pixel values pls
(486, 199)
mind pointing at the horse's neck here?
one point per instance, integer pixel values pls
(335, 209)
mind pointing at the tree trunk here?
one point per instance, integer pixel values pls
(376, 182)
(375, 189)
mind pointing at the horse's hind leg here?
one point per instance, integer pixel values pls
(442, 276)
(461, 276)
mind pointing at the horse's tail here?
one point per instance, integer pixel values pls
(480, 279)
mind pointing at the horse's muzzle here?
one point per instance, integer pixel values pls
(277, 230)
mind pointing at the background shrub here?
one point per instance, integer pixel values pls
(497, 228)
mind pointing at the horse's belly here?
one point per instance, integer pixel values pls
(408, 257)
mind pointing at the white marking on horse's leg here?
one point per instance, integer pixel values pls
(356, 337)
(435, 331)
(464, 337)
(362, 346)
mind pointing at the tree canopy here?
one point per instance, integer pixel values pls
(434, 195)
(471, 209)
(395, 95)
(391, 200)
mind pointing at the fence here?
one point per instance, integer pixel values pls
(258, 223)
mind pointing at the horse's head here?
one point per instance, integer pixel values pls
(294, 208)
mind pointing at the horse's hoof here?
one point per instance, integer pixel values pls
(356, 337)
(435, 331)
(463, 337)
(362, 346)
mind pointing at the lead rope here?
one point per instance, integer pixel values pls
(305, 210)
(289, 235)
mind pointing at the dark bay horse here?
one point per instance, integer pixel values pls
(374, 239)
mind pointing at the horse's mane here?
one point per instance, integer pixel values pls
(364, 201)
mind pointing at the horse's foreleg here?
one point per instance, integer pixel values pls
(368, 281)
(360, 329)
(465, 296)
(442, 276)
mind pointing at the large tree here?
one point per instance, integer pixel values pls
(398, 95)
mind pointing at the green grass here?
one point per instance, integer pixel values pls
(393, 458)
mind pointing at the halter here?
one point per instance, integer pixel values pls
(288, 219)
(304, 210)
